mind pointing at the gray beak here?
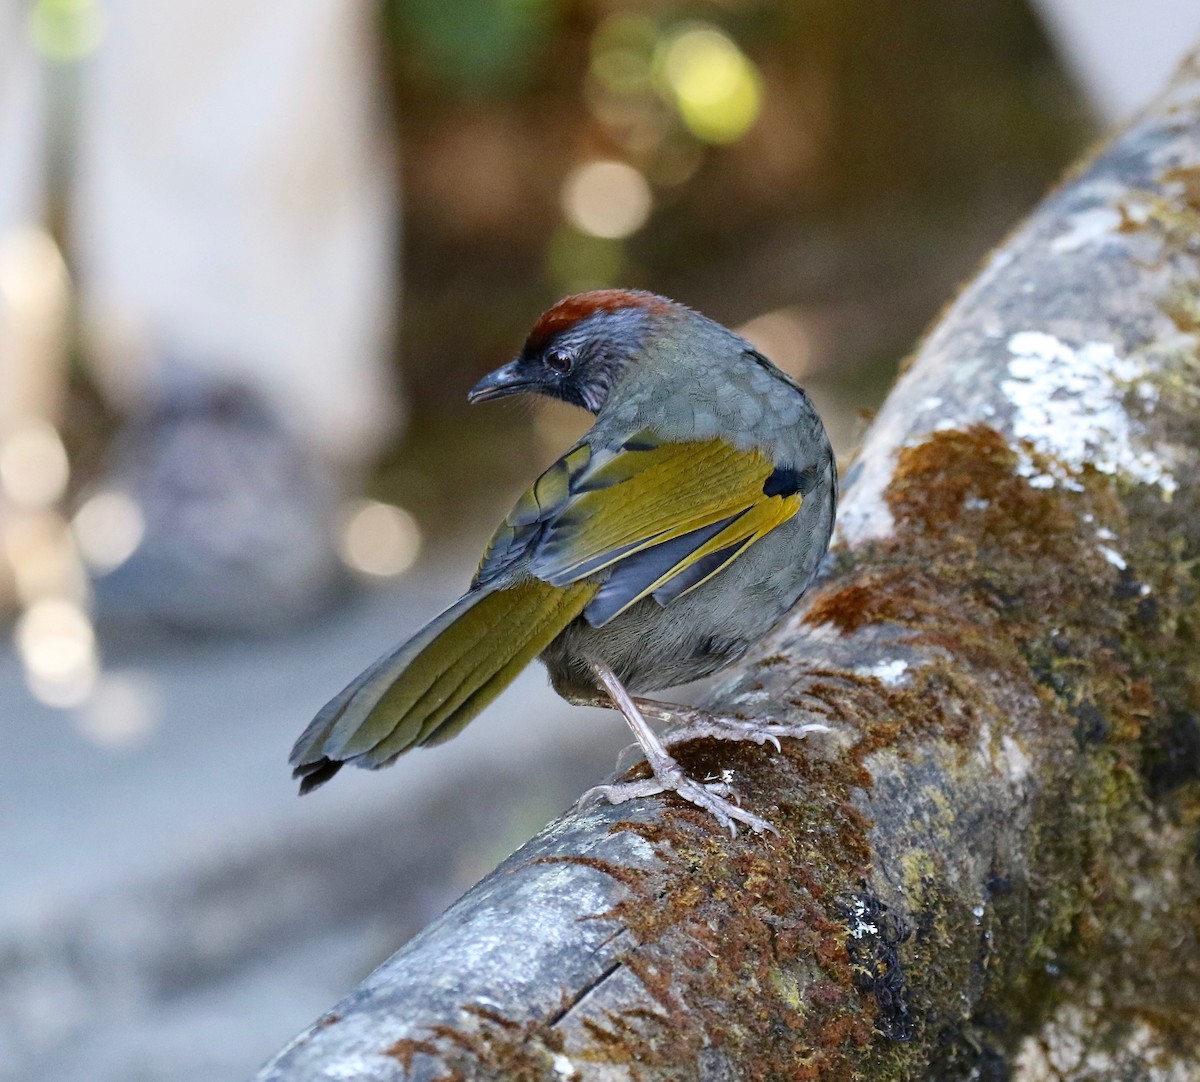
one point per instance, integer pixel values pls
(506, 380)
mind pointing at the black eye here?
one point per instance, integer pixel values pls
(560, 361)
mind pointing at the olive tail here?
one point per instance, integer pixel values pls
(427, 690)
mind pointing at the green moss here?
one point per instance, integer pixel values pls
(1009, 582)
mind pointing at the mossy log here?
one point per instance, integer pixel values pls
(990, 868)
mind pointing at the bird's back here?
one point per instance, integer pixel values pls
(738, 397)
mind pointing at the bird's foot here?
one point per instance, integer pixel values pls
(717, 797)
(688, 723)
(668, 776)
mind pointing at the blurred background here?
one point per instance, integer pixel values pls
(252, 255)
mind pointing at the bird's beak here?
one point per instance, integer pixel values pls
(509, 379)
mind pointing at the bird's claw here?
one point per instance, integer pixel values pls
(619, 792)
(627, 756)
(718, 798)
(727, 811)
(725, 792)
(722, 785)
(699, 725)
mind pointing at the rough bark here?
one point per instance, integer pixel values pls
(990, 868)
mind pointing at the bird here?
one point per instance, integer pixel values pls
(673, 535)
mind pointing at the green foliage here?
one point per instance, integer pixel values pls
(474, 48)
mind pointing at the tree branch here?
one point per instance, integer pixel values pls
(990, 868)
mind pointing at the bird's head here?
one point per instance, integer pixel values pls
(579, 349)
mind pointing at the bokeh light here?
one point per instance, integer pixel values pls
(42, 557)
(622, 54)
(620, 88)
(57, 647)
(108, 528)
(784, 337)
(714, 85)
(639, 125)
(66, 30)
(33, 466)
(379, 538)
(122, 711)
(33, 274)
(607, 199)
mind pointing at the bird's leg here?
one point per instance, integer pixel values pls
(688, 723)
(668, 776)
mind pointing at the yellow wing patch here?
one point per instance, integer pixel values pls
(645, 498)
(660, 518)
(753, 525)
